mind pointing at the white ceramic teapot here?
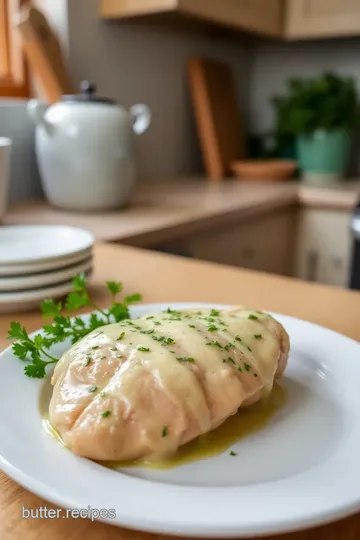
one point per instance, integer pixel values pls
(85, 150)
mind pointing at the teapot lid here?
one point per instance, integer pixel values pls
(87, 95)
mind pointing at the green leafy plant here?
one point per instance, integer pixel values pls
(327, 102)
(36, 351)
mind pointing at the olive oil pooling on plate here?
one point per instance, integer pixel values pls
(245, 422)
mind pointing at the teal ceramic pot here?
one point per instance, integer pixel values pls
(323, 156)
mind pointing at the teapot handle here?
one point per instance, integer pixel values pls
(142, 118)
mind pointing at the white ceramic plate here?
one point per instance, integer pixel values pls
(21, 301)
(24, 283)
(41, 243)
(299, 471)
(11, 270)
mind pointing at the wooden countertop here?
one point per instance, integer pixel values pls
(144, 271)
(167, 211)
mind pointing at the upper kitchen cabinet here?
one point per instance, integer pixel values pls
(307, 19)
(263, 17)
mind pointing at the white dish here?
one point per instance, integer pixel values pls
(27, 300)
(41, 243)
(34, 268)
(299, 471)
(24, 283)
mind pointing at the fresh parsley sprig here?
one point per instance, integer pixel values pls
(64, 327)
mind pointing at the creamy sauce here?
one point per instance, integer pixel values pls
(244, 423)
(146, 387)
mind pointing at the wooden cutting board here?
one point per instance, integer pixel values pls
(44, 55)
(213, 92)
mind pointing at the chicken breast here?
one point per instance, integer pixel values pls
(144, 387)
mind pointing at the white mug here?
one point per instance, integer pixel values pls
(5, 150)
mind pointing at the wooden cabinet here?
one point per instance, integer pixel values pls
(286, 19)
(266, 243)
(322, 18)
(324, 247)
(259, 16)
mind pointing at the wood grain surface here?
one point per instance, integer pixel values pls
(162, 278)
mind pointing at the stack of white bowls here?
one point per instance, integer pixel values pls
(38, 262)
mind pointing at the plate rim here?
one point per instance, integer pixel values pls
(282, 526)
(42, 278)
(34, 260)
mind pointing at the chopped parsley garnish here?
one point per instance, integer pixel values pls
(186, 359)
(168, 341)
(147, 331)
(192, 326)
(94, 348)
(215, 344)
(238, 338)
(122, 335)
(253, 318)
(229, 346)
(105, 414)
(232, 453)
(103, 358)
(214, 313)
(257, 336)
(157, 323)
(93, 388)
(87, 361)
(143, 349)
(229, 360)
(164, 340)
(249, 349)
(164, 431)
(174, 312)
(255, 374)
(247, 367)
(212, 328)
(239, 369)
(151, 317)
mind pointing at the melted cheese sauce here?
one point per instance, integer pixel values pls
(146, 387)
(245, 422)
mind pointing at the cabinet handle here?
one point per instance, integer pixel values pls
(312, 263)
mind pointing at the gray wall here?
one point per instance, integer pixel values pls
(137, 63)
(273, 63)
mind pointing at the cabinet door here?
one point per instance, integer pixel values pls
(264, 244)
(261, 16)
(322, 18)
(324, 247)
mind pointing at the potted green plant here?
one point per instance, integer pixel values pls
(320, 113)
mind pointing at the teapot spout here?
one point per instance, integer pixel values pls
(36, 111)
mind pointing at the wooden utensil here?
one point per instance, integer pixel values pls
(44, 54)
(264, 169)
(213, 93)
